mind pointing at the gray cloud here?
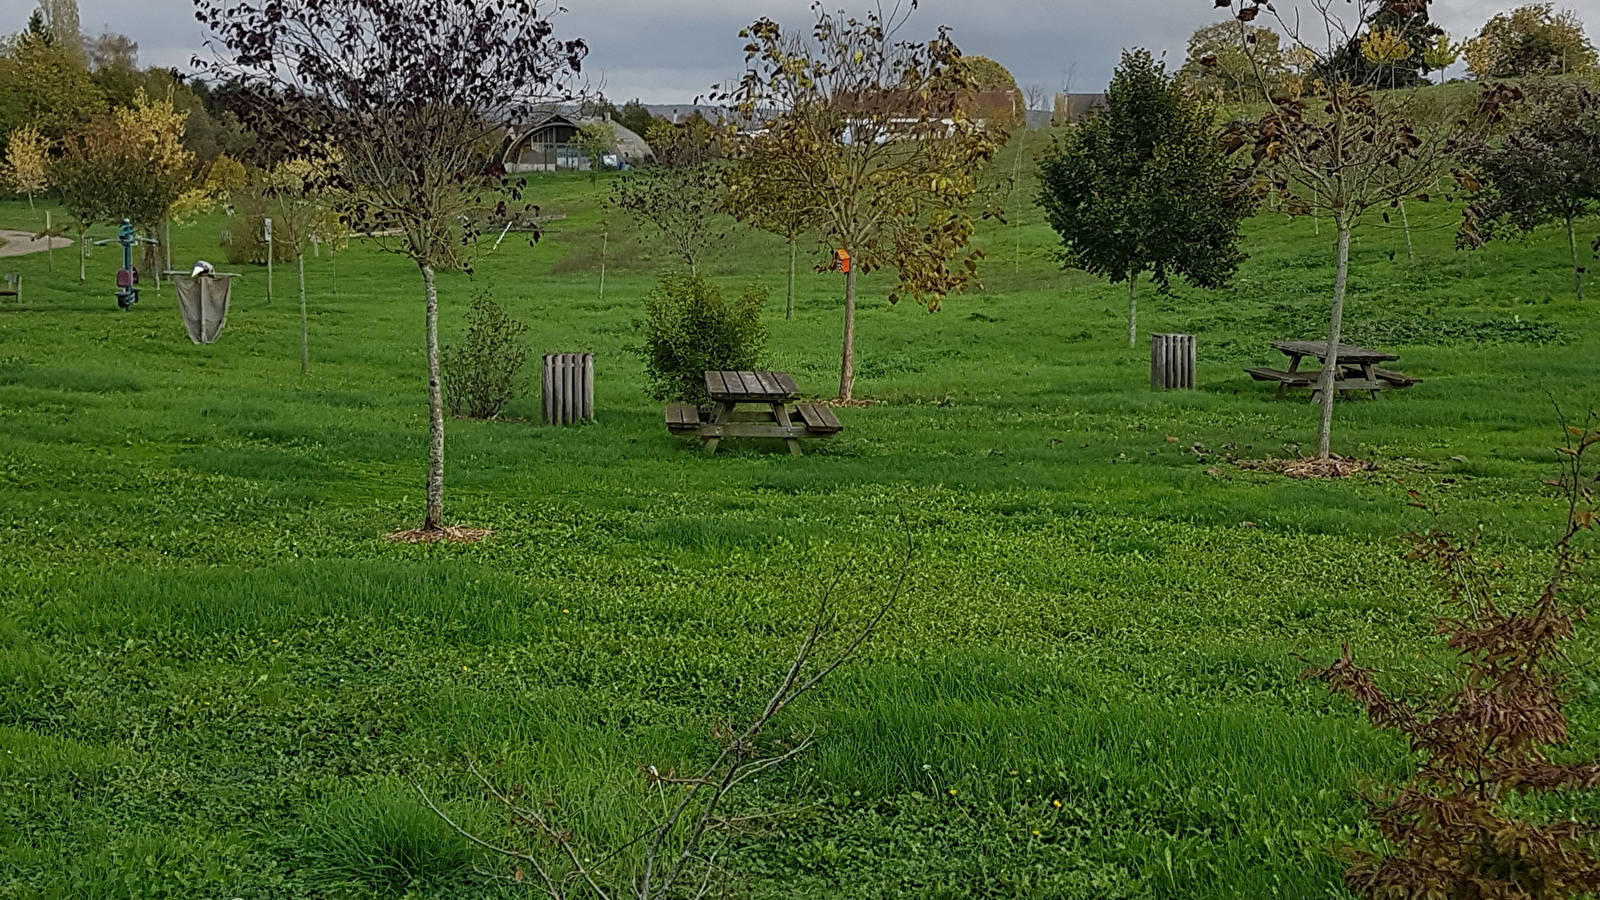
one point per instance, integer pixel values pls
(670, 51)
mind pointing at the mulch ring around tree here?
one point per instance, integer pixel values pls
(450, 533)
(1308, 466)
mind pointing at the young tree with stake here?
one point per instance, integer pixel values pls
(411, 94)
(1545, 167)
(293, 193)
(760, 205)
(1341, 150)
(880, 137)
(680, 194)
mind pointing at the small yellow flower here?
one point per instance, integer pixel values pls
(1056, 803)
(952, 792)
(1036, 834)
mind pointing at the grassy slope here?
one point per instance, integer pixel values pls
(216, 679)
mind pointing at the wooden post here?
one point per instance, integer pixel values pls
(1171, 361)
(567, 388)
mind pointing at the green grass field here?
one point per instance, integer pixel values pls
(217, 679)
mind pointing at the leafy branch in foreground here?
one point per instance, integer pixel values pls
(680, 855)
(1458, 830)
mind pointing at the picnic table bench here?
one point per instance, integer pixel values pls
(770, 392)
(11, 285)
(1358, 369)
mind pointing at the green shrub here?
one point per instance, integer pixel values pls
(243, 242)
(689, 329)
(480, 374)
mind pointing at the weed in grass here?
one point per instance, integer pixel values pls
(381, 843)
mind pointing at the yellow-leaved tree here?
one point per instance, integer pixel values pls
(879, 139)
(130, 164)
(27, 153)
(166, 171)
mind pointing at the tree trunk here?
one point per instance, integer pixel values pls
(82, 261)
(1577, 273)
(1330, 367)
(847, 368)
(305, 350)
(434, 518)
(1133, 309)
(788, 305)
(605, 240)
(1405, 223)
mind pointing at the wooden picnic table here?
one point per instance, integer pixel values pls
(1358, 369)
(770, 392)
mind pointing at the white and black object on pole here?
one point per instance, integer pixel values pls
(266, 235)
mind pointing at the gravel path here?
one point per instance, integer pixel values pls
(21, 243)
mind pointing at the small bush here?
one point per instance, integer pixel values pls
(480, 375)
(688, 329)
(243, 242)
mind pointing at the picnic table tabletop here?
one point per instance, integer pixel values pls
(751, 387)
(1349, 353)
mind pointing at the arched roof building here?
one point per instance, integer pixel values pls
(553, 144)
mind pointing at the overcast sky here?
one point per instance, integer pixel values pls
(670, 51)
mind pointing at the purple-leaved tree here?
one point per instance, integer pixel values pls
(407, 99)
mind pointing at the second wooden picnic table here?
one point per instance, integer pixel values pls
(771, 390)
(1358, 369)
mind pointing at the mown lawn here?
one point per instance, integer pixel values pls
(218, 680)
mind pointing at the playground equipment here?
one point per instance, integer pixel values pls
(203, 300)
(127, 276)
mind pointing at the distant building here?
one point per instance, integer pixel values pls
(552, 144)
(1075, 107)
(906, 113)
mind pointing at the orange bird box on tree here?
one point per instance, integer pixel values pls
(843, 256)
